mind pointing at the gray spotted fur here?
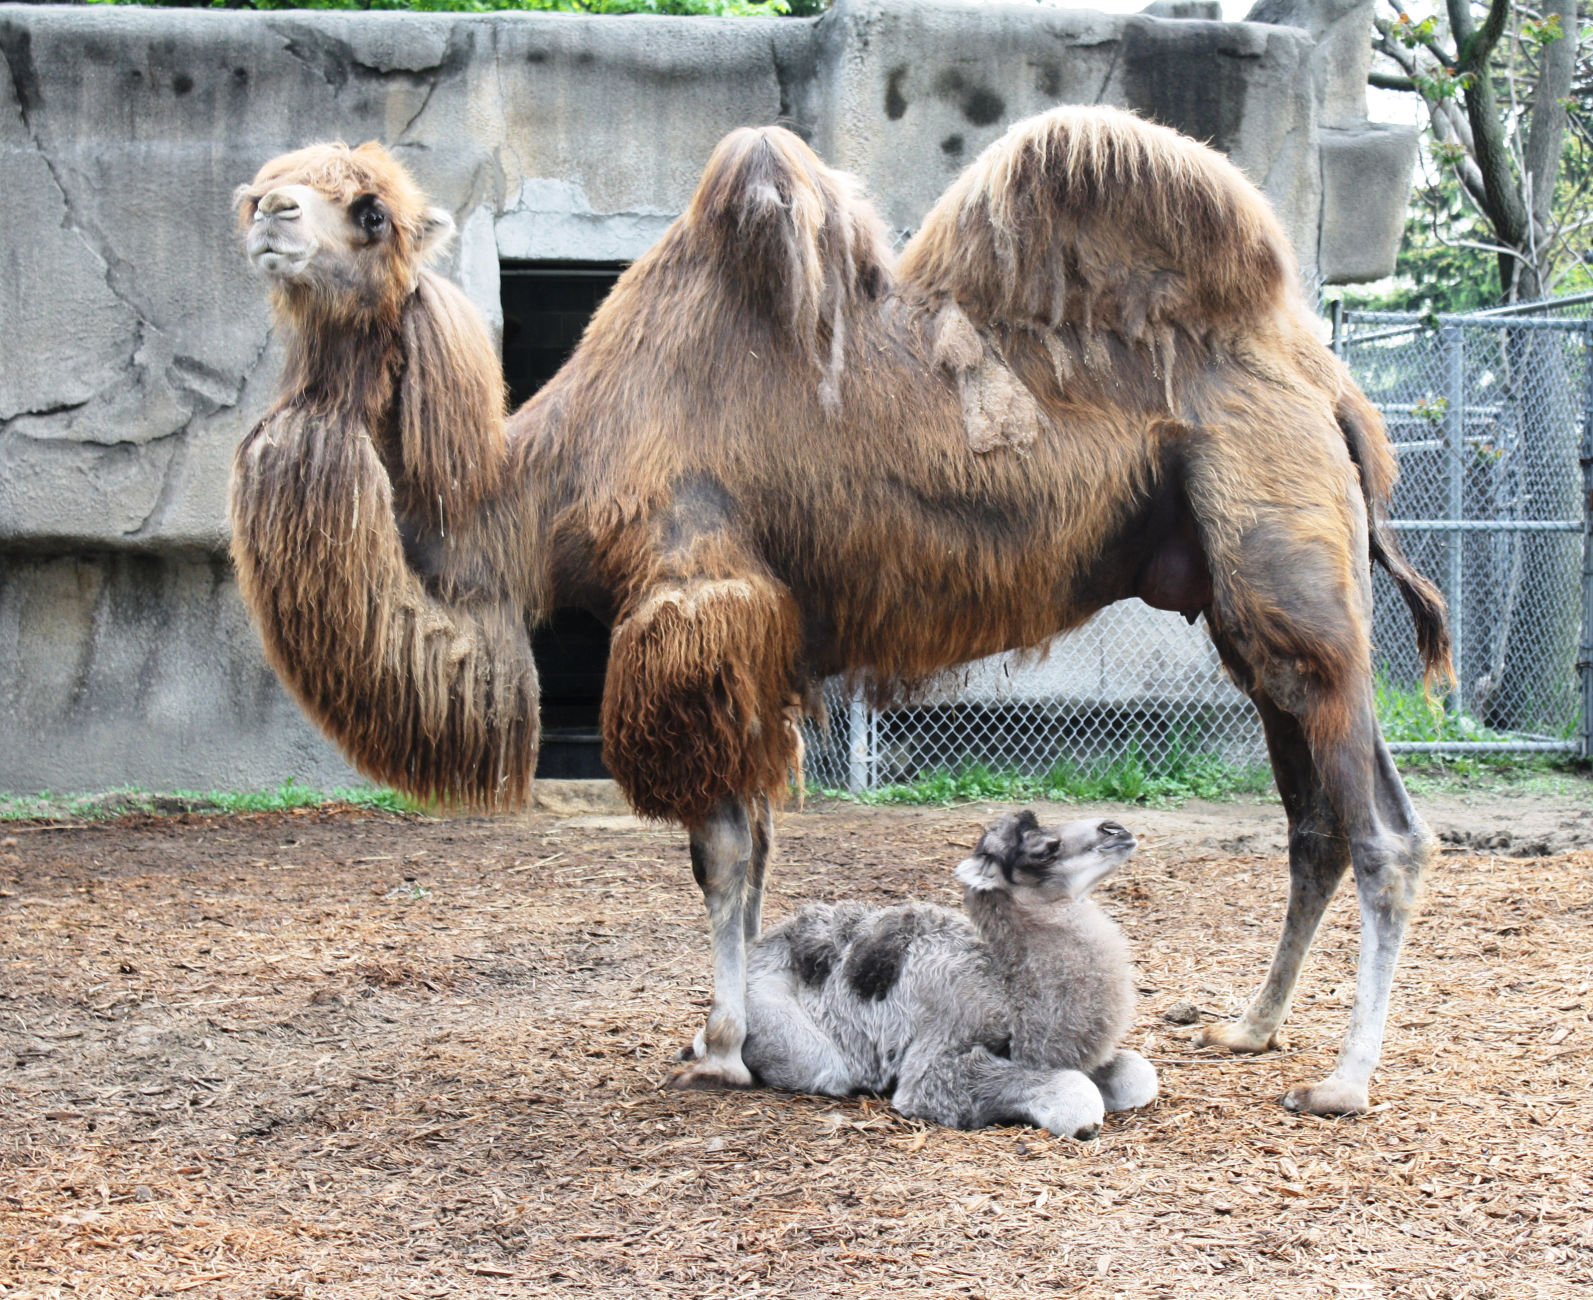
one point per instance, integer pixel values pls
(1010, 1011)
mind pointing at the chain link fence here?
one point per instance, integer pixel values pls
(1489, 414)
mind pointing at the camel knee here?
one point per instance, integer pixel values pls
(700, 676)
(1388, 871)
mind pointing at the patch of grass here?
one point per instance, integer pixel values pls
(1497, 776)
(120, 802)
(1132, 778)
(1406, 714)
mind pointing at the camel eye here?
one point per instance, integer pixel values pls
(369, 215)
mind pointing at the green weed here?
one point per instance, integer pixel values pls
(1132, 778)
(120, 802)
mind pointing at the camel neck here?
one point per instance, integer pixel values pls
(1024, 937)
(348, 370)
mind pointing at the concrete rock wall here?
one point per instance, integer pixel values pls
(137, 348)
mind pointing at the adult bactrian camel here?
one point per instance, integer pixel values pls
(775, 457)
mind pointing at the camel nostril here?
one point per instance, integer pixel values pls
(1111, 828)
(277, 204)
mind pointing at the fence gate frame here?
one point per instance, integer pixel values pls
(1449, 328)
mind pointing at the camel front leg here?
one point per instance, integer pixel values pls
(758, 866)
(721, 849)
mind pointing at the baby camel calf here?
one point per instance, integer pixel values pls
(1008, 1014)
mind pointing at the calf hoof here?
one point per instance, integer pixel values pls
(694, 1050)
(1233, 1036)
(1330, 1097)
(711, 1075)
(1071, 1106)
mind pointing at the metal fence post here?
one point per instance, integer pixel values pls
(1584, 658)
(1452, 343)
(860, 764)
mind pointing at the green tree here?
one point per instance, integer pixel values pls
(1507, 102)
(1505, 214)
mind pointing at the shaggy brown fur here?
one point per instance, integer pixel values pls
(771, 460)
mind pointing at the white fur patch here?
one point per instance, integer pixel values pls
(691, 598)
(979, 873)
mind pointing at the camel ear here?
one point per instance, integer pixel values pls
(436, 229)
(980, 873)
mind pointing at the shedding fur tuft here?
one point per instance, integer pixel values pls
(451, 406)
(695, 707)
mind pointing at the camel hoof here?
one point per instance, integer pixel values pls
(1232, 1036)
(1330, 1097)
(711, 1075)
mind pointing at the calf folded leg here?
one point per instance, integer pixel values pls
(973, 1087)
(1127, 1081)
(785, 1047)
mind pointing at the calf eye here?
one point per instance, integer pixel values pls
(369, 215)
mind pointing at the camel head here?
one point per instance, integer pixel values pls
(339, 233)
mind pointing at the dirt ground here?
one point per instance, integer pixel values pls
(337, 1054)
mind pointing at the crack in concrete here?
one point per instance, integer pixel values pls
(93, 240)
(425, 103)
(65, 408)
(1111, 70)
(454, 55)
(117, 444)
(168, 477)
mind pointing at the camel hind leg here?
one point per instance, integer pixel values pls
(1292, 614)
(1319, 855)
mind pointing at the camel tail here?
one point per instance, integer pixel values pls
(796, 243)
(1093, 217)
(1369, 449)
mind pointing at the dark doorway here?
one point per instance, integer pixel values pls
(545, 307)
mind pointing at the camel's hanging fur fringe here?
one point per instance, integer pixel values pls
(392, 408)
(451, 432)
(439, 701)
(797, 237)
(1095, 218)
(695, 705)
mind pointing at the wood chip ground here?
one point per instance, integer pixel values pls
(337, 1055)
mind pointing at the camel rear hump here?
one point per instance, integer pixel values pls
(1091, 216)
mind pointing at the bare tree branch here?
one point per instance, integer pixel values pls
(1388, 81)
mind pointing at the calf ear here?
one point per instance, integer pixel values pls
(980, 873)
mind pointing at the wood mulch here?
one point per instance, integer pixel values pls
(336, 1054)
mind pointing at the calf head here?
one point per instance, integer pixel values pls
(1019, 856)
